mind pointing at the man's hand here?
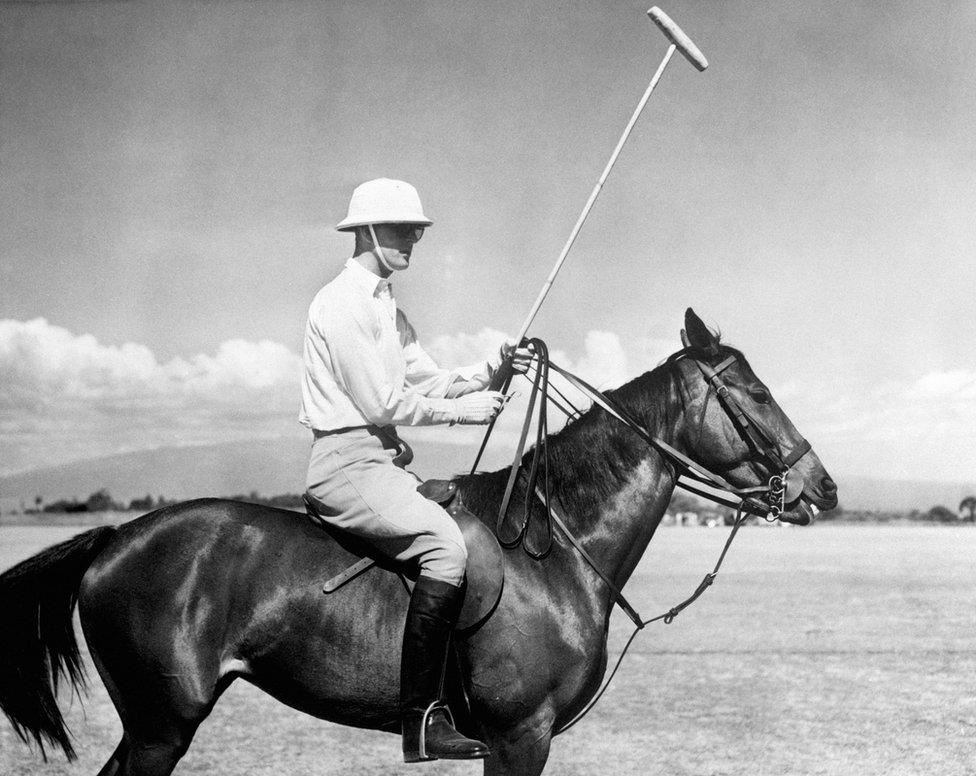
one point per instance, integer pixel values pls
(478, 408)
(521, 356)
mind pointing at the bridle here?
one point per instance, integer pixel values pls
(785, 484)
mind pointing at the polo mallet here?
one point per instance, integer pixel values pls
(682, 43)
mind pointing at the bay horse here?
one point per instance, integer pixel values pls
(180, 602)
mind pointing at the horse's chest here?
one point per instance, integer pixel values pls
(523, 661)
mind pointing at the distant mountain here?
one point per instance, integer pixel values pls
(277, 466)
(268, 466)
(859, 492)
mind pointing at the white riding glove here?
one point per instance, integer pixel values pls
(477, 408)
(521, 358)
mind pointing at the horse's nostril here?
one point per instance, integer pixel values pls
(827, 485)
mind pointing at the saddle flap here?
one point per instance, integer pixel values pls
(485, 569)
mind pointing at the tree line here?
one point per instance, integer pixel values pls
(937, 514)
(102, 501)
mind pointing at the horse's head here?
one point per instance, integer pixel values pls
(734, 427)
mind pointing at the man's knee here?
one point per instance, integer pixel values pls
(446, 560)
(457, 555)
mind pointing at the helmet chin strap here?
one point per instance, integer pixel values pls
(378, 251)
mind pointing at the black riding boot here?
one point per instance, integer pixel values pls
(428, 729)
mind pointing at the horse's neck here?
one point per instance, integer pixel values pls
(611, 486)
(618, 536)
(616, 529)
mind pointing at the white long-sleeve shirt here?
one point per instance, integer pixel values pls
(363, 364)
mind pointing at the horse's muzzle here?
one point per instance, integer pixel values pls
(805, 509)
(800, 513)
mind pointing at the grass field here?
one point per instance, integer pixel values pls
(828, 650)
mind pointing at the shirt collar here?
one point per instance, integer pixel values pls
(366, 279)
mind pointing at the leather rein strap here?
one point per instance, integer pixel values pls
(540, 456)
(618, 595)
(691, 476)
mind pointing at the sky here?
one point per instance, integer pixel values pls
(171, 174)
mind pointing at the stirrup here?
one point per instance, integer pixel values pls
(434, 706)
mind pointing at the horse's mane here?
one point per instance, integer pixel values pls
(589, 458)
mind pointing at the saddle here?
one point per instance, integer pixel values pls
(485, 573)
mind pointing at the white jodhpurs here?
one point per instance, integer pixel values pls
(356, 487)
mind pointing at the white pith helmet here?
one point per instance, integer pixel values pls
(384, 201)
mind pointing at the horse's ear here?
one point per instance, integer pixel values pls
(685, 342)
(698, 334)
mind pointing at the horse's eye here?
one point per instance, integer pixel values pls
(760, 395)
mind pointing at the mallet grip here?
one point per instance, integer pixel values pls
(677, 36)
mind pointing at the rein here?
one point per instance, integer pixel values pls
(767, 501)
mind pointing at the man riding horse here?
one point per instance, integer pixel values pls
(364, 374)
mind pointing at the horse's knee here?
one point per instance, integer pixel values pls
(521, 749)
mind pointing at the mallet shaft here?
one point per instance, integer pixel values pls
(593, 195)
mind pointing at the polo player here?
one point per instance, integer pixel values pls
(365, 373)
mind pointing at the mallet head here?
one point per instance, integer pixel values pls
(677, 36)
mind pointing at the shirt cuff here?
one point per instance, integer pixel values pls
(478, 376)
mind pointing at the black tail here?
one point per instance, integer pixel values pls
(38, 646)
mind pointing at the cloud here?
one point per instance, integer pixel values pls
(454, 350)
(918, 427)
(47, 365)
(64, 396)
(603, 363)
(958, 384)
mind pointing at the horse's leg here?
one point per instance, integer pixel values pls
(159, 733)
(521, 750)
(152, 746)
(155, 758)
(114, 765)
(160, 705)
